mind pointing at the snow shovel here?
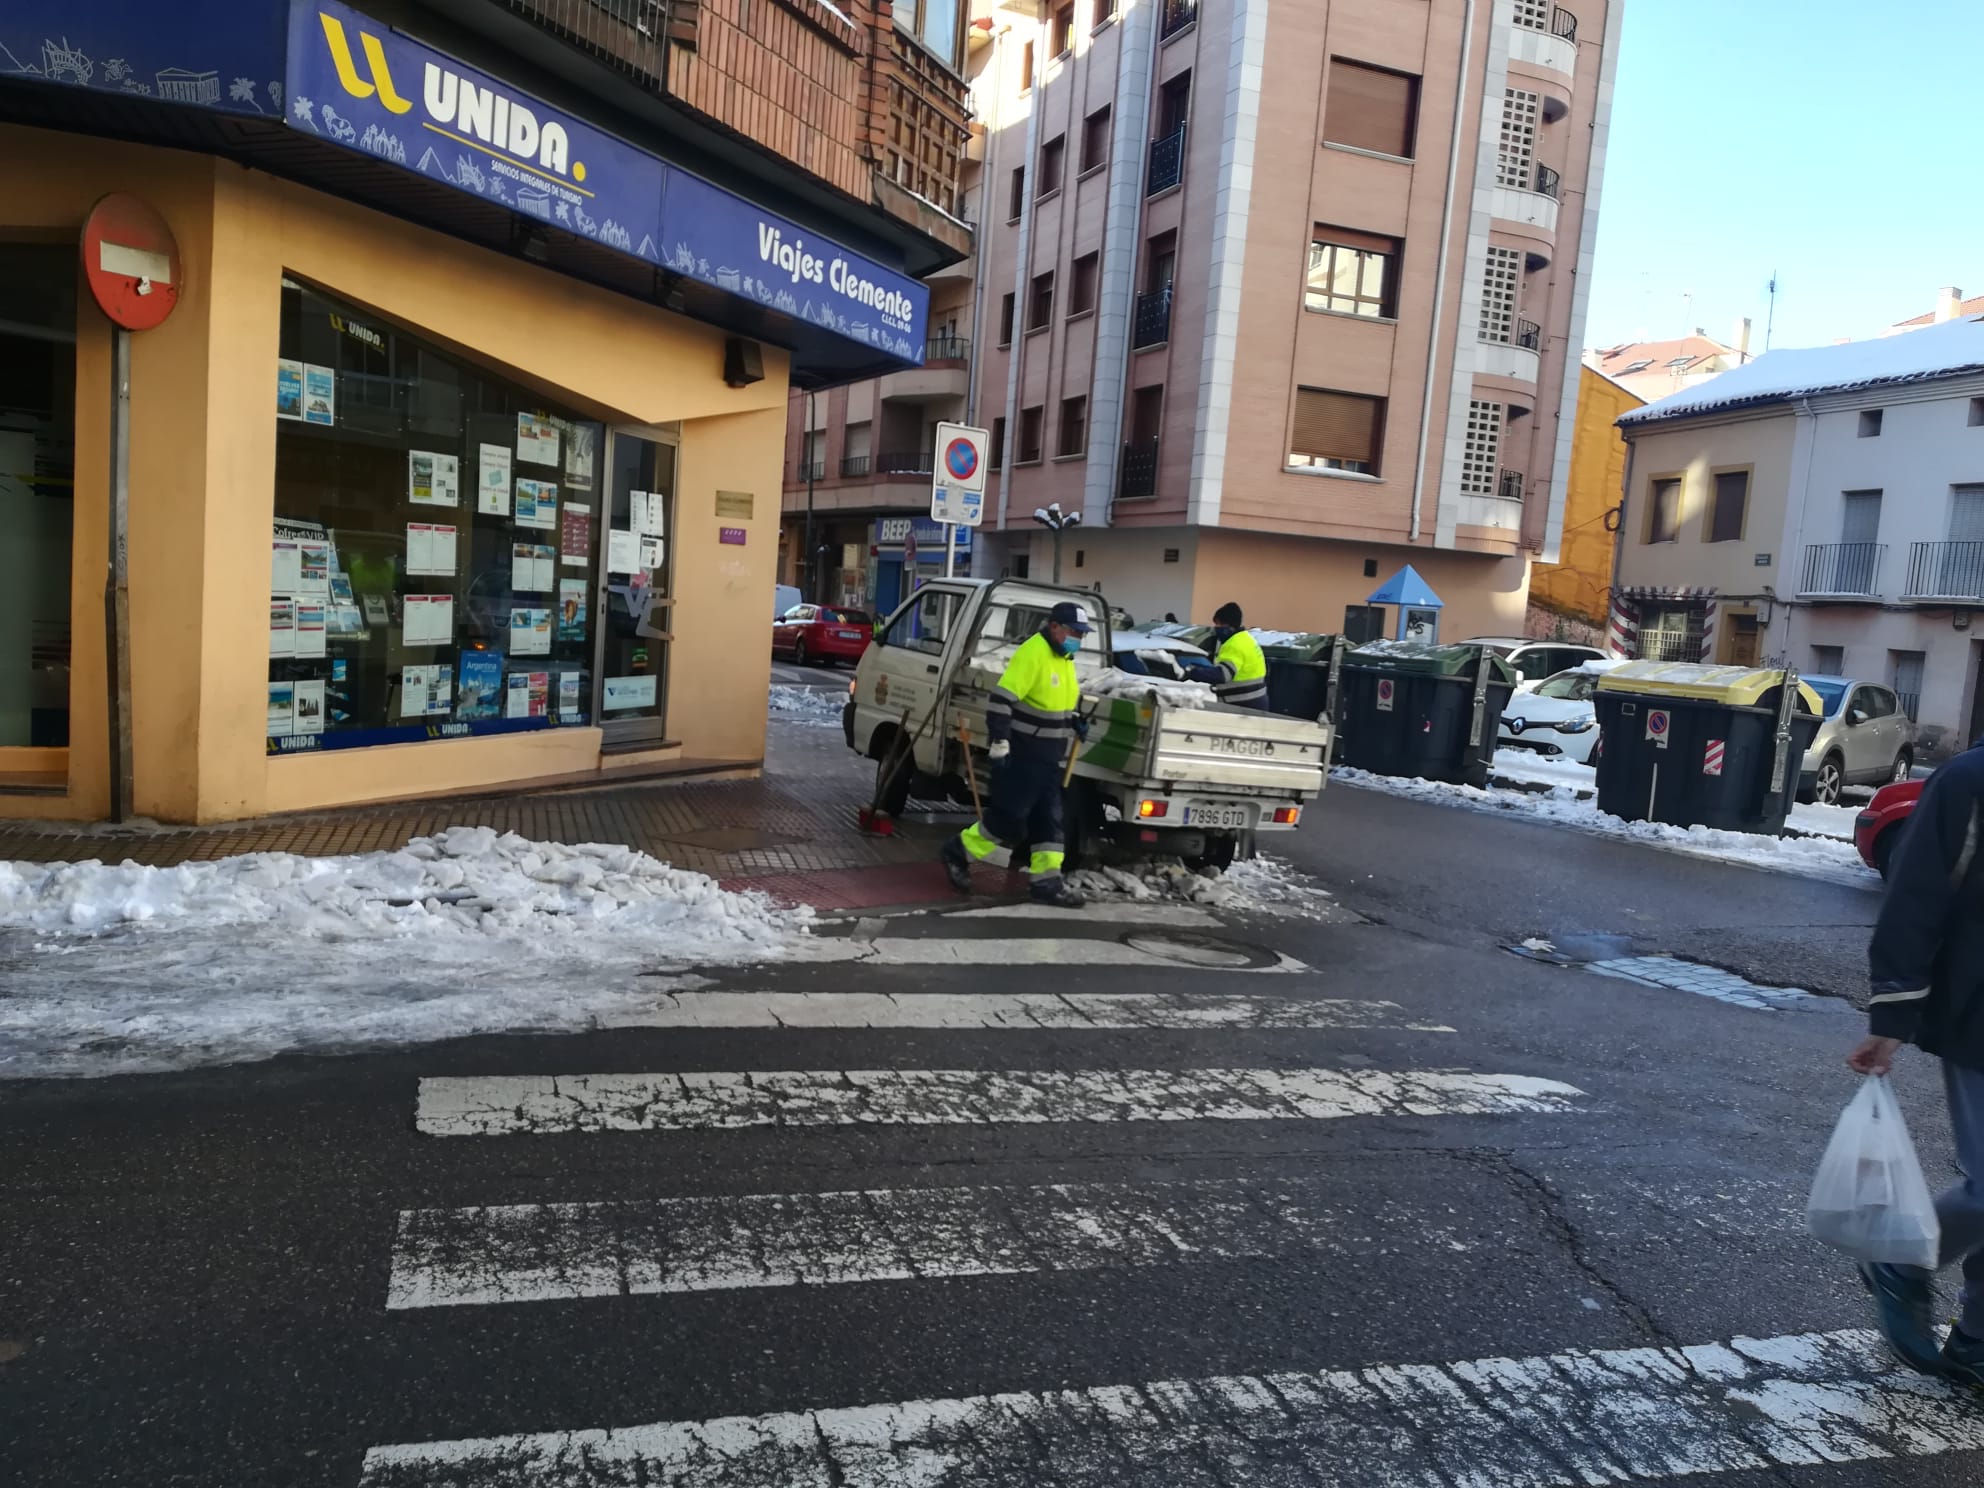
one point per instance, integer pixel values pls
(872, 818)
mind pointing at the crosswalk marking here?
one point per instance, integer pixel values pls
(512, 1105)
(1037, 1010)
(1056, 951)
(1610, 1416)
(557, 1252)
(1107, 911)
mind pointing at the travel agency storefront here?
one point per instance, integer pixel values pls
(456, 464)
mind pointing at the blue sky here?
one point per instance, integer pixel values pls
(1834, 143)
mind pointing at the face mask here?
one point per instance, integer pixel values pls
(1222, 633)
(1070, 645)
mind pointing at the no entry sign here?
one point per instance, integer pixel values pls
(131, 261)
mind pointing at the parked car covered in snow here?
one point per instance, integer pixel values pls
(1535, 661)
(1556, 716)
(1864, 739)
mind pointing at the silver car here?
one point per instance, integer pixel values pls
(1864, 739)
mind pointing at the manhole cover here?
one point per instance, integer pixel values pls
(1191, 950)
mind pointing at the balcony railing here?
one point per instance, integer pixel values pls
(1548, 182)
(813, 472)
(853, 466)
(1529, 335)
(1151, 324)
(1849, 569)
(1564, 24)
(903, 462)
(1946, 570)
(1508, 485)
(1167, 162)
(947, 349)
(627, 35)
(1178, 14)
(1137, 477)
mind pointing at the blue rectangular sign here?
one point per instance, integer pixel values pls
(370, 88)
(216, 54)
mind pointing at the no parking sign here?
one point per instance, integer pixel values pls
(1656, 726)
(1386, 688)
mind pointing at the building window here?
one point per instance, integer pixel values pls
(1352, 273)
(1073, 438)
(1026, 66)
(437, 532)
(1828, 661)
(934, 23)
(1022, 565)
(1977, 413)
(1534, 14)
(1731, 506)
(1515, 158)
(1053, 156)
(1031, 427)
(1870, 423)
(1336, 431)
(1663, 516)
(1040, 301)
(1481, 455)
(997, 454)
(1016, 201)
(1105, 12)
(1498, 295)
(1095, 141)
(1905, 672)
(1064, 29)
(1371, 109)
(1081, 288)
(1006, 307)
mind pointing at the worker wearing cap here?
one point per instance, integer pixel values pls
(1032, 722)
(1239, 672)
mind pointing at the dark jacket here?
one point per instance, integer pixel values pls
(1927, 955)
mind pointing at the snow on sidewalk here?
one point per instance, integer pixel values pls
(815, 705)
(121, 968)
(1531, 768)
(1263, 885)
(1811, 857)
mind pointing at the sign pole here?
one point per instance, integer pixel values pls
(950, 550)
(117, 583)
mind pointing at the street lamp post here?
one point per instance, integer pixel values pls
(812, 558)
(1057, 522)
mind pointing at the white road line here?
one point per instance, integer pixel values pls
(1614, 1416)
(1017, 1010)
(515, 1105)
(904, 950)
(558, 1252)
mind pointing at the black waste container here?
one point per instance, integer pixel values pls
(1694, 746)
(1302, 672)
(1429, 711)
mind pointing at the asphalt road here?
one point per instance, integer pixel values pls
(1223, 1214)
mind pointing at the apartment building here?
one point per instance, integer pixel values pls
(1279, 295)
(1822, 508)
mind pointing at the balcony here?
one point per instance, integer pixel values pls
(1151, 324)
(1518, 359)
(903, 462)
(1946, 571)
(1548, 182)
(1136, 478)
(1555, 49)
(1533, 207)
(854, 467)
(1843, 570)
(1509, 485)
(946, 348)
(1167, 162)
(1178, 14)
(817, 471)
(1529, 335)
(1564, 24)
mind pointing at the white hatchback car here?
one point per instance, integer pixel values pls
(1556, 716)
(1536, 660)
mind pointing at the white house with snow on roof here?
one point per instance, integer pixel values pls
(1821, 508)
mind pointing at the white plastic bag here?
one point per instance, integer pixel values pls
(1869, 1198)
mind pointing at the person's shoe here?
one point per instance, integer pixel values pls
(1057, 895)
(1963, 1359)
(957, 867)
(1903, 1304)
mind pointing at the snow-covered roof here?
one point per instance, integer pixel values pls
(1946, 350)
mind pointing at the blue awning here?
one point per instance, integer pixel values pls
(1406, 588)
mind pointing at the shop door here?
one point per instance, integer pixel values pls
(888, 586)
(637, 592)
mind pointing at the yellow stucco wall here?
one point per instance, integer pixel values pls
(203, 442)
(1576, 585)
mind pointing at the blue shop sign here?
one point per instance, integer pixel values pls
(369, 88)
(890, 532)
(215, 54)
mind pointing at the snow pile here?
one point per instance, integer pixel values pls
(1811, 857)
(1114, 684)
(125, 968)
(816, 705)
(1541, 769)
(1262, 885)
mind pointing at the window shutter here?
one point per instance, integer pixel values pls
(1369, 109)
(1335, 426)
(1365, 242)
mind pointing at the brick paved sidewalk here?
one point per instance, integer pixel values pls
(791, 833)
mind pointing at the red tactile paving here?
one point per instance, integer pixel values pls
(896, 885)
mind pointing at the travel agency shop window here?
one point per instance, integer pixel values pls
(437, 548)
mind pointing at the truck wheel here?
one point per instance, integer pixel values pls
(1217, 856)
(1081, 826)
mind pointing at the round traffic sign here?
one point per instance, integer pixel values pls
(131, 261)
(1656, 722)
(961, 459)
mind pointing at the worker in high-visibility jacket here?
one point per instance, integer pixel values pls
(1239, 672)
(1033, 720)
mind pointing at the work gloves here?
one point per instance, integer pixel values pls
(999, 750)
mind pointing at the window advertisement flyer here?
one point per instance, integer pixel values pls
(533, 568)
(629, 692)
(345, 619)
(428, 619)
(282, 709)
(568, 698)
(320, 395)
(581, 455)
(433, 479)
(309, 707)
(537, 504)
(537, 439)
(528, 695)
(282, 625)
(479, 689)
(623, 551)
(430, 550)
(530, 632)
(425, 690)
(310, 627)
(375, 610)
(313, 568)
(651, 553)
(571, 609)
(647, 512)
(289, 389)
(285, 566)
(492, 485)
(575, 535)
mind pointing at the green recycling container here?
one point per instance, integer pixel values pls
(1426, 711)
(1299, 668)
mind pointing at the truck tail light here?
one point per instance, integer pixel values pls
(1151, 809)
(1287, 816)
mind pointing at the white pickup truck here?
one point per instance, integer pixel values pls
(1198, 781)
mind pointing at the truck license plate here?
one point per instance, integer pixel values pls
(1216, 816)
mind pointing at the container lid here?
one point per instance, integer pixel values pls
(1282, 645)
(1735, 686)
(1458, 660)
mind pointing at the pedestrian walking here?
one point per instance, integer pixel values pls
(1927, 966)
(1033, 721)
(1239, 672)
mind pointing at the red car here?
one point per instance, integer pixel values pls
(822, 633)
(1877, 830)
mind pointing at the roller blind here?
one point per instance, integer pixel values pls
(1370, 109)
(1336, 426)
